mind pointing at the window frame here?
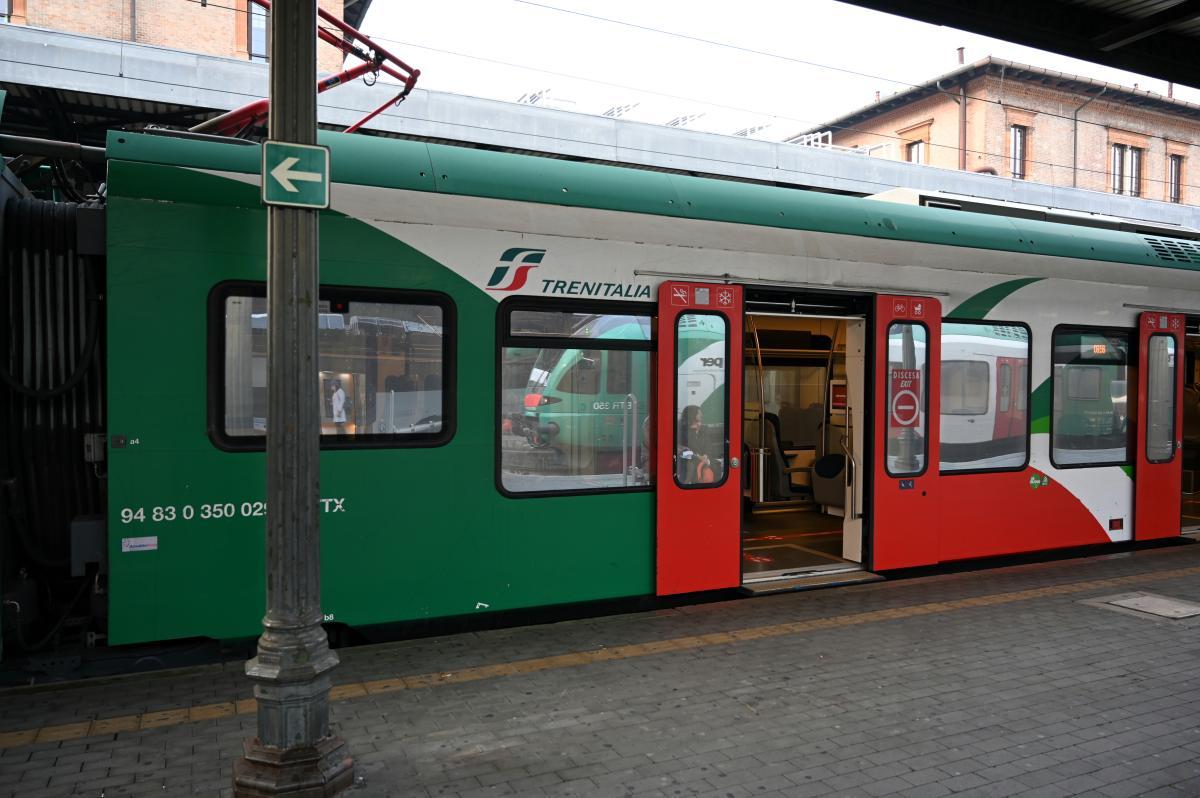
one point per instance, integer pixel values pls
(675, 408)
(252, 11)
(1131, 364)
(927, 389)
(504, 339)
(1126, 167)
(1174, 402)
(1027, 394)
(1117, 168)
(222, 291)
(918, 147)
(1018, 136)
(1136, 157)
(1175, 178)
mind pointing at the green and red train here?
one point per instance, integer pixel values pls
(516, 339)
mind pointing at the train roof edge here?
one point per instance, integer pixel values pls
(446, 169)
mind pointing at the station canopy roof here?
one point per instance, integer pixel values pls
(1158, 38)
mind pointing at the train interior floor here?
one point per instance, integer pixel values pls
(790, 542)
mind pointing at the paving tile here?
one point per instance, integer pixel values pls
(930, 686)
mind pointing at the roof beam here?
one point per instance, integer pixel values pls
(1148, 26)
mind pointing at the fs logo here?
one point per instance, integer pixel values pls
(519, 261)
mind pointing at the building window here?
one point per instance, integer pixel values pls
(257, 35)
(1126, 170)
(1089, 420)
(1175, 178)
(574, 397)
(984, 417)
(383, 367)
(5, 10)
(1018, 150)
(914, 152)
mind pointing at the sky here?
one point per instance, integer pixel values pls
(768, 67)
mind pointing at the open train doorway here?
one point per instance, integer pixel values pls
(803, 424)
(1190, 498)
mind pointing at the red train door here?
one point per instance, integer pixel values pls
(905, 525)
(699, 437)
(1158, 478)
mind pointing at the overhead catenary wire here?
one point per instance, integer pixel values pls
(1002, 156)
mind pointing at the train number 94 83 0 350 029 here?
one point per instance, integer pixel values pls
(211, 512)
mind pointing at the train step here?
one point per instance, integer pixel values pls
(810, 582)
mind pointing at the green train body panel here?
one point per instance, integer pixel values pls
(407, 533)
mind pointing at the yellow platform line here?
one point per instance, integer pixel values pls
(356, 690)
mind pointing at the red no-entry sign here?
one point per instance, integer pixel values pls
(906, 398)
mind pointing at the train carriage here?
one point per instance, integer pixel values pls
(519, 343)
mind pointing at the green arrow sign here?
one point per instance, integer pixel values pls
(295, 175)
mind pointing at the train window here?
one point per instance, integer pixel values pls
(984, 418)
(701, 440)
(1089, 421)
(1160, 393)
(908, 367)
(382, 367)
(574, 397)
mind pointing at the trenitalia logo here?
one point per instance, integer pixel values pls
(520, 262)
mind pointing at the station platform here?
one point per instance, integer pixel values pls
(1026, 680)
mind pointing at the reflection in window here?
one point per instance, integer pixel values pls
(380, 368)
(908, 367)
(700, 376)
(1089, 421)
(1160, 390)
(574, 409)
(965, 385)
(984, 420)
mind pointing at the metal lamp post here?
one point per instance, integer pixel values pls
(294, 753)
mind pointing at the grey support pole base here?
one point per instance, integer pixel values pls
(319, 771)
(291, 674)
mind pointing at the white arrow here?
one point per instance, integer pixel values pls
(284, 174)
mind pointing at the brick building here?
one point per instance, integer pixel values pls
(230, 28)
(1023, 122)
